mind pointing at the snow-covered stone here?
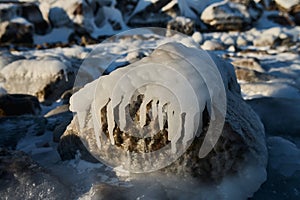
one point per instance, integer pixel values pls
(227, 15)
(211, 45)
(16, 31)
(248, 63)
(287, 5)
(46, 78)
(6, 58)
(197, 37)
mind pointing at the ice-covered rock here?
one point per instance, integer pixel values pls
(22, 178)
(251, 76)
(19, 104)
(287, 5)
(46, 78)
(248, 63)
(240, 150)
(231, 15)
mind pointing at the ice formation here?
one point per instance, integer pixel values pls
(175, 89)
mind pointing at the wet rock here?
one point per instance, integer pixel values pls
(46, 78)
(12, 129)
(19, 104)
(181, 24)
(22, 178)
(231, 15)
(280, 116)
(16, 31)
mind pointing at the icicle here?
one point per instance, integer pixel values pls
(110, 122)
(160, 115)
(154, 109)
(97, 125)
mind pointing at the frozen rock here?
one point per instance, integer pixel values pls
(16, 31)
(46, 78)
(181, 24)
(248, 63)
(240, 150)
(227, 15)
(212, 45)
(251, 76)
(280, 116)
(22, 178)
(18, 104)
(12, 129)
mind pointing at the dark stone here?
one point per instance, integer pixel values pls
(19, 104)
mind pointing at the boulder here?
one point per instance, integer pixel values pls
(231, 15)
(19, 104)
(46, 78)
(240, 152)
(248, 63)
(251, 76)
(22, 178)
